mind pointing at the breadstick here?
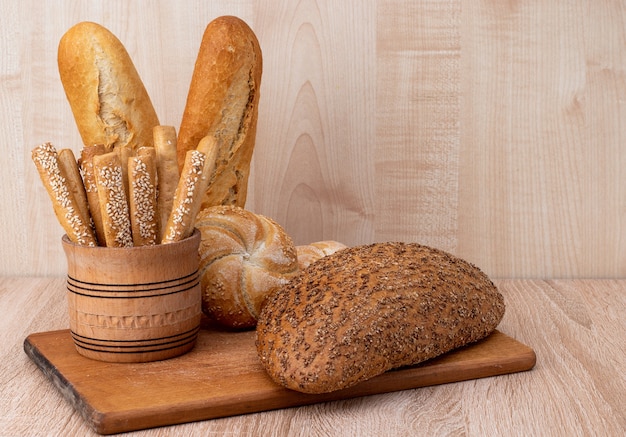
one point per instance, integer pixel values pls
(167, 171)
(69, 168)
(191, 187)
(89, 182)
(142, 176)
(210, 147)
(124, 153)
(112, 198)
(65, 206)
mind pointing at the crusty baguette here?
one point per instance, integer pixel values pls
(142, 177)
(363, 310)
(64, 203)
(112, 199)
(167, 171)
(108, 99)
(223, 102)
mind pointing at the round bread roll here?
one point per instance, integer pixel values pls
(243, 257)
(309, 253)
(364, 310)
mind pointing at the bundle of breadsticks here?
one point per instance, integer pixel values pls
(136, 182)
(117, 197)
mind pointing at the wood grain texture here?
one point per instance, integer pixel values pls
(543, 125)
(494, 130)
(575, 327)
(222, 377)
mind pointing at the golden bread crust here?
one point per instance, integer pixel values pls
(222, 102)
(243, 257)
(108, 99)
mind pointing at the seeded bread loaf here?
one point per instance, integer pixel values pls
(364, 310)
(222, 102)
(243, 257)
(108, 99)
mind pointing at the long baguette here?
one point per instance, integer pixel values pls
(222, 102)
(64, 203)
(108, 99)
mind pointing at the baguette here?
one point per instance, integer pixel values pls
(108, 99)
(61, 194)
(364, 310)
(222, 102)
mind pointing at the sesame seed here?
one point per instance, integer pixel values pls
(144, 201)
(181, 214)
(46, 159)
(116, 206)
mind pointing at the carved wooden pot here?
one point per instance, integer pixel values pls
(134, 304)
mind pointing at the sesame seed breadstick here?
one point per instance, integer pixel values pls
(142, 177)
(189, 192)
(91, 189)
(64, 203)
(208, 145)
(167, 171)
(113, 202)
(124, 153)
(69, 168)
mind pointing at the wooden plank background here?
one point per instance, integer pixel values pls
(493, 130)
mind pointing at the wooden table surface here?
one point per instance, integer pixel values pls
(577, 387)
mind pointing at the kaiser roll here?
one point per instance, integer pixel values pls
(243, 256)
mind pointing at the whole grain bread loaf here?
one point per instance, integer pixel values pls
(364, 310)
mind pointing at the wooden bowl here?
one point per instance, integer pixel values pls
(134, 304)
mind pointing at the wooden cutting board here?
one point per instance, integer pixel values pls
(222, 377)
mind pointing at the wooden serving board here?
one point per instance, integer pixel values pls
(222, 376)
